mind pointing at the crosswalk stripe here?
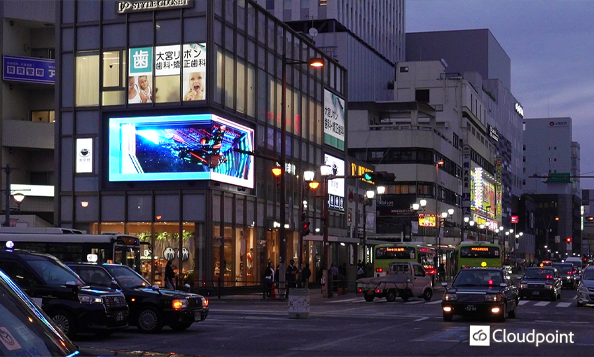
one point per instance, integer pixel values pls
(434, 302)
(563, 304)
(414, 302)
(542, 303)
(345, 300)
(523, 302)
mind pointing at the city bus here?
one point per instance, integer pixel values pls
(478, 254)
(417, 252)
(72, 245)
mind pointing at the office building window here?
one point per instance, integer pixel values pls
(269, 4)
(43, 116)
(87, 79)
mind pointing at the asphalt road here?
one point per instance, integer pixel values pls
(349, 326)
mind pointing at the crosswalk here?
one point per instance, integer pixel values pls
(535, 303)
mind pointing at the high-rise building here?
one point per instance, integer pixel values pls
(366, 37)
(27, 39)
(551, 180)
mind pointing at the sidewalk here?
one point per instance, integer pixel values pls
(315, 294)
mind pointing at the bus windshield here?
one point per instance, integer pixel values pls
(395, 253)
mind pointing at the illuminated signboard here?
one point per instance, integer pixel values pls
(515, 219)
(180, 147)
(480, 249)
(168, 61)
(123, 7)
(84, 155)
(426, 220)
(357, 170)
(483, 196)
(395, 249)
(334, 115)
(335, 186)
(519, 109)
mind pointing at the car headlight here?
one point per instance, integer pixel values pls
(583, 288)
(491, 297)
(523, 286)
(550, 286)
(178, 304)
(90, 299)
(450, 297)
(204, 301)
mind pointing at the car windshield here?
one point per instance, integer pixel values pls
(588, 274)
(539, 274)
(26, 330)
(54, 272)
(127, 278)
(467, 278)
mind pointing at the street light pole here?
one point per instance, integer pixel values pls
(437, 240)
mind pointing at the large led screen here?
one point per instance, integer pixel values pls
(180, 147)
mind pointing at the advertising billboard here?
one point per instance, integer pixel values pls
(336, 186)
(168, 61)
(180, 148)
(28, 69)
(334, 116)
(84, 155)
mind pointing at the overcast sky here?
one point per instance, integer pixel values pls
(551, 47)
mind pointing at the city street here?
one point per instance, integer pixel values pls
(348, 326)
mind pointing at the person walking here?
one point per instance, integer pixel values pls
(305, 274)
(169, 275)
(290, 277)
(268, 280)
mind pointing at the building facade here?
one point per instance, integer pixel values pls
(551, 179)
(157, 111)
(28, 117)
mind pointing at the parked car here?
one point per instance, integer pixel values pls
(28, 331)
(66, 298)
(568, 274)
(477, 291)
(404, 280)
(541, 282)
(585, 289)
(150, 307)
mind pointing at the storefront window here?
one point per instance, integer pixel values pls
(87, 79)
(223, 260)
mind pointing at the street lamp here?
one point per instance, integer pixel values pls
(437, 242)
(18, 198)
(308, 177)
(318, 63)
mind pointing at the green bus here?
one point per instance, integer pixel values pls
(403, 252)
(478, 254)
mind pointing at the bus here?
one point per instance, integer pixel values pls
(417, 252)
(71, 245)
(478, 254)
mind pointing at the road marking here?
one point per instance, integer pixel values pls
(523, 302)
(434, 302)
(414, 302)
(345, 300)
(421, 319)
(542, 303)
(563, 304)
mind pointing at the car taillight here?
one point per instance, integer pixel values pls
(569, 272)
(359, 290)
(378, 291)
(379, 270)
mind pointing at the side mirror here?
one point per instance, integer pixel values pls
(155, 287)
(72, 285)
(503, 285)
(444, 284)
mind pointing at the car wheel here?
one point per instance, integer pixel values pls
(181, 326)
(579, 304)
(447, 317)
(391, 297)
(405, 296)
(65, 322)
(368, 298)
(149, 320)
(427, 294)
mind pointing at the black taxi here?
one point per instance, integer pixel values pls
(150, 306)
(480, 292)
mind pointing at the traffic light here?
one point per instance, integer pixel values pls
(304, 224)
(568, 239)
(379, 176)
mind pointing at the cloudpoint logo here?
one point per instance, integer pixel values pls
(481, 336)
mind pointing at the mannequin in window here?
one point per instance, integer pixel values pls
(250, 260)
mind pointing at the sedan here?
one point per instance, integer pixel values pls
(568, 273)
(541, 282)
(585, 290)
(476, 291)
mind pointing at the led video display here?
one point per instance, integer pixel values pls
(180, 147)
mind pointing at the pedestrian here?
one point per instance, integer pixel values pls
(305, 274)
(290, 277)
(268, 279)
(334, 271)
(276, 279)
(169, 275)
(360, 272)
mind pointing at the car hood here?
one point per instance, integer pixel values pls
(95, 290)
(90, 351)
(588, 283)
(170, 293)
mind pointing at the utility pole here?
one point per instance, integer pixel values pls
(7, 170)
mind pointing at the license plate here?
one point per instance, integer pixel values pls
(197, 316)
(470, 308)
(536, 293)
(120, 316)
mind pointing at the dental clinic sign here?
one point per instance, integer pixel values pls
(123, 7)
(482, 336)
